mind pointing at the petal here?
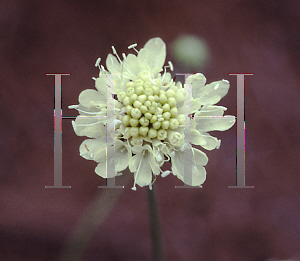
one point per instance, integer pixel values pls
(91, 97)
(132, 63)
(211, 110)
(197, 138)
(154, 52)
(212, 93)
(113, 64)
(195, 176)
(211, 123)
(134, 162)
(143, 177)
(197, 81)
(88, 126)
(88, 147)
(210, 142)
(102, 172)
(199, 157)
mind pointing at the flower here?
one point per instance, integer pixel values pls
(140, 118)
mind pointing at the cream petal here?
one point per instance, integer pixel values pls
(154, 52)
(89, 146)
(113, 64)
(211, 110)
(101, 170)
(132, 63)
(212, 93)
(198, 172)
(91, 97)
(197, 138)
(206, 123)
(199, 157)
(197, 82)
(90, 127)
(210, 142)
(134, 162)
(143, 176)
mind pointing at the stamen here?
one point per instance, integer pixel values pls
(73, 106)
(165, 173)
(103, 69)
(132, 46)
(171, 66)
(137, 172)
(151, 80)
(98, 62)
(116, 54)
(94, 78)
(124, 56)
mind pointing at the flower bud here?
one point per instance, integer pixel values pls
(134, 122)
(170, 93)
(153, 119)
(166, 107)
(143, 130)
(139, 82)
(147, 103)
(152, 133)
(173, 124)
(179, 96)
(133, 97)
(147, 84)
(144, 121)
(151, 98)
(181, 119)
(156, 125)
(163, 99)
(154, 104)
(136, 141)
(166, 115)
(136, 113)
(158, 111)
(126, 101)
(145, 75)
(148, 91)
(172, 101)
(130, 91)
(174, 112)
(161, 134)
(152, 109)
(134, 131)
(165, 125)
(128, 109)
(129, 84)
(137, 104)
(175, 138)
(148, 115)
(125, 120)
(155, 90)
(139, 90)
(121, 96)
(143, 109)
(127, 134)
(142, 98)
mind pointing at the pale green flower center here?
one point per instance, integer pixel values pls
(149, 111)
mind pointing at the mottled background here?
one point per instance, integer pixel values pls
(212, 223)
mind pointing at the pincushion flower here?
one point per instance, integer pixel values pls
(139, 118)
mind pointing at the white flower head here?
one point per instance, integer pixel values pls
(139, 117)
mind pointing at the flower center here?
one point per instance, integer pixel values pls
(149, 111)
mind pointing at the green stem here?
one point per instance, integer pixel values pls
(154, 227)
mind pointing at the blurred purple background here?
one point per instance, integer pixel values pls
(212, 223)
